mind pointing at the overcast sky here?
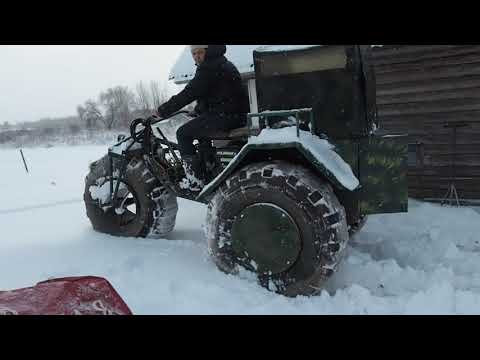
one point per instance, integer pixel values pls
(39, 81)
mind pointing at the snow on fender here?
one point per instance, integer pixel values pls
(319, 151)
(65, 296)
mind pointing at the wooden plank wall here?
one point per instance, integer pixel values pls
(419, 90)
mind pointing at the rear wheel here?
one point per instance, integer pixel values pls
(146, 207)
(280, 221)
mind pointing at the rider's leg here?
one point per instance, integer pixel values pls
(186, 134)
(200, 127)
(196, 128)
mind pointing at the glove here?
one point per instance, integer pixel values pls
(161, 112)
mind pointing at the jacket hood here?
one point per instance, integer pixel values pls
(215, 51)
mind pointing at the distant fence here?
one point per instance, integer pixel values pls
(55, 137)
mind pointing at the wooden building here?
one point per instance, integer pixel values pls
(430, 92)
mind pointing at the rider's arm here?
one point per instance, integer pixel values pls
(195, 89)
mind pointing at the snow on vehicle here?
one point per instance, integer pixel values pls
(285, 193)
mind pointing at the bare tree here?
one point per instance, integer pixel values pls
(159, 94)
(89, 114)
(107, 99)
(118, 103)
(94, 115)
(143, 100)
(126, 104)
(81, 111)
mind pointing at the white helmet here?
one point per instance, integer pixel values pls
(195, 47)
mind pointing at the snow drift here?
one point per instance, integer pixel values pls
(424, 262)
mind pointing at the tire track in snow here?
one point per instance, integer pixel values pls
(40, 206)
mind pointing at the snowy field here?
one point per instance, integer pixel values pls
(423, 262)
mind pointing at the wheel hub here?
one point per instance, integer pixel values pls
(125, 205)
(266, 239)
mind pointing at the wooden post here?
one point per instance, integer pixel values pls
(24, 162)
(452, 194)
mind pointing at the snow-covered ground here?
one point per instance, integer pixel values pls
(423, 262)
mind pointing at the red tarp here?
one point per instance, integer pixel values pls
(66, 296)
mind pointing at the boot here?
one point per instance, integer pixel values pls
(193, 180)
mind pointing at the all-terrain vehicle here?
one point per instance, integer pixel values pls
(285, 193)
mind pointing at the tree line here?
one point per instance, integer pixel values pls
(116, 107)
(112, 109)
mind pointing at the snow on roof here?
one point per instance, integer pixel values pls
(273, 48)
(241, 55)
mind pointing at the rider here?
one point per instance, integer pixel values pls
(222, 104)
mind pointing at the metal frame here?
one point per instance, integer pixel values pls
(265, 115)
(146, 149)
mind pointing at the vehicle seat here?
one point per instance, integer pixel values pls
(239, 133)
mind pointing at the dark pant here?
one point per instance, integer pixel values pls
(204, 125)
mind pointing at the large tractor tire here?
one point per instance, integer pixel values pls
(148, 208)
(281, 222)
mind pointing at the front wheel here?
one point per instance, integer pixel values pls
(281, 222)
(146, 207)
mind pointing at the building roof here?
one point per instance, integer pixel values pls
(241, 55)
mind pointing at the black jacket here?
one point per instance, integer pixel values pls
(217, 88)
